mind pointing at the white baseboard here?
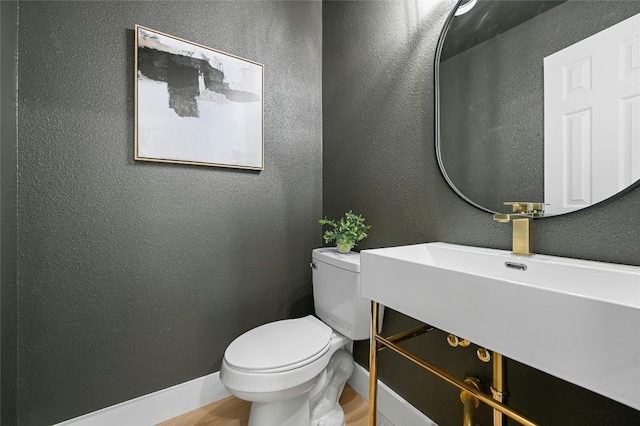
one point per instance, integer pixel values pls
(168, 403)
(391, 405)
(159, 406)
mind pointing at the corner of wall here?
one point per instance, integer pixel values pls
(8, 212)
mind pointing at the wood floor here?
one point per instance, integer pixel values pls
(232, 411)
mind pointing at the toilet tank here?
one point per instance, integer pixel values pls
(336, 293)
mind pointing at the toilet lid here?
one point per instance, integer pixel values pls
(280, 345)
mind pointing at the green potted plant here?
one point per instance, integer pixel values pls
(346, 232)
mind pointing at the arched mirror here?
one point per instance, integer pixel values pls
(539, 101)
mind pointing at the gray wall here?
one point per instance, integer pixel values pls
(133, 277)
(379, 160)
(8, 219)
(492, 102)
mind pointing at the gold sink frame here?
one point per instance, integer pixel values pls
(379, 343)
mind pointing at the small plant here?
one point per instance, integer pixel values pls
(346, 232)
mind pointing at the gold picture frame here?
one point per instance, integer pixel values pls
(196, 105)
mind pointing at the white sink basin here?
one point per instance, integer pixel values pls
(577, 320)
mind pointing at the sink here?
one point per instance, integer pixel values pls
(575, 319)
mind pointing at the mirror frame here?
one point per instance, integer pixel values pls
(436, 74)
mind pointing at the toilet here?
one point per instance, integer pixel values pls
(293, 371)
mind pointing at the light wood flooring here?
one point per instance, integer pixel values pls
(232, 411)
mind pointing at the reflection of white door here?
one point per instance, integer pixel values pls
(592, 118)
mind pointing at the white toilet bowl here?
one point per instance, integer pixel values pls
(277, 365)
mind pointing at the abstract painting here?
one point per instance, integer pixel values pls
(196, 105)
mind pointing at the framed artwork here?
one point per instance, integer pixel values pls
(196, 105)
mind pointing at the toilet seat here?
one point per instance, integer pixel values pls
(279, 346)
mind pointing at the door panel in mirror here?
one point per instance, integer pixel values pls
(592, 122)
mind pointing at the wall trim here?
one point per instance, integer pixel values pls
(392, 406)
(168, 403)
(158, 406)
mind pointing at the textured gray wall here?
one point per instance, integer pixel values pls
(492, 102)
(8, 220)
(379, 160)
(135, 276)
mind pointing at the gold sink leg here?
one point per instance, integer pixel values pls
(373, 366)
(499, 387)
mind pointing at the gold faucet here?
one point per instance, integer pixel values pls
(521, 218)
